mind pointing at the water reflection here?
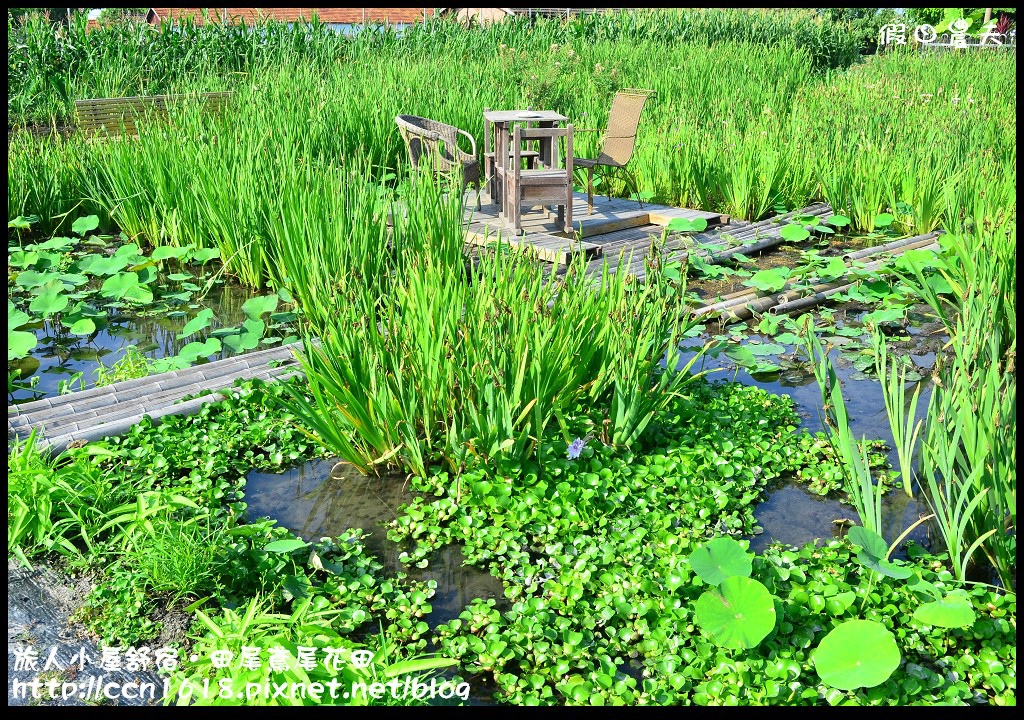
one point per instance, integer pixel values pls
(793, 516)
(323, 498)
(59, 354)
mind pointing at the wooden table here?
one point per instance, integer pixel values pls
(503, 122)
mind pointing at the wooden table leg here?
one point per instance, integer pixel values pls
(499, 169)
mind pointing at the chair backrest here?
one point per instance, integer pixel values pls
(623, 121)
(521, 135)
(430, 139)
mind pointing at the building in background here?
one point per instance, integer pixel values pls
(485, 16)
(343, 20)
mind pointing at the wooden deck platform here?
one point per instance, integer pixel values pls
(619, 231)
(592, 231)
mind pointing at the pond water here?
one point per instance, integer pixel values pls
(59, 355)
(323, 498)
(792, 515)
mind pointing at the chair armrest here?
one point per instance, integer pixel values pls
(472, 143)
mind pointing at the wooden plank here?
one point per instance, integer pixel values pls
(628, 240)
(665, 216)
(545, 220)
(98, 115)
(551, 248)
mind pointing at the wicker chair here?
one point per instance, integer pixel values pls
(619, 141)
(436, 145)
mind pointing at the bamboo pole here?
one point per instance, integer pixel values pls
(920, 241)
(745, 306)
(153, 394)
(183, 376)
(809, 300)
(722, 253)
(145, 404)
(60, 443)
(904, 243)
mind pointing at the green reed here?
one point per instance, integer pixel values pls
(442, 358)
(968, 458)
(735, 127)
(864, 493)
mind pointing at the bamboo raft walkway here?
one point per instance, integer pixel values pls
(620, 231)
(79, 417)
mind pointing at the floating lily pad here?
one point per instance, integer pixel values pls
(84, 326)
(741, 355)
(284, 546)
(256, 307)
(117, 286)
(57, 243)
(49, 303)
(199, 322)
(15, 317)
(794, 233)
(19, 343)
(166, 251)
(196, 350)
(762, 349)
(856, 654)
(204, 255)
(719, 559)
(102, 265)
(248, 338)
(952, 611)
(770, 280)
(30, 279)
(85, 224)
(738, 614)
(128, 250)
(687, 225)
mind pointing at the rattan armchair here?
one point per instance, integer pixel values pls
(619, 141)
(435, 145)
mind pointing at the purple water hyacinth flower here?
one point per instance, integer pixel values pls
(576, 447)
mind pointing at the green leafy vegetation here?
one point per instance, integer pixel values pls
(70, 296)
(549, 424)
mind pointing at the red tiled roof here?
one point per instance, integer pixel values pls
(352, 16)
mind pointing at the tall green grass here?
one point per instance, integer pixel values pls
(50, 67)
(735, 127)
(967, 464)
(418, 366)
